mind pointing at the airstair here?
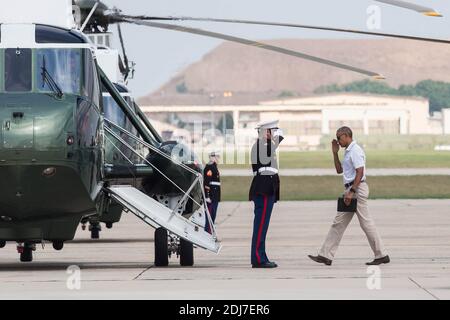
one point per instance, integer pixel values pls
(151, 211)
(158, 215)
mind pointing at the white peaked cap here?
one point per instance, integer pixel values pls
(273, 124)
(214, 154)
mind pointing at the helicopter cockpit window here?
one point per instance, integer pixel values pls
(62, 65)
(91, 88)
(18, 70)
(114, 114)
(51, 34)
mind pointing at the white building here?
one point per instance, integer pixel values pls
(306, 120)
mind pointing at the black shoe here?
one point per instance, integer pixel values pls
(321, 259)
(268, 264)
(378, 261)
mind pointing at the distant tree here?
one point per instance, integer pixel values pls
(286, 94)
(328, 88)
(363, 86)
(437, 92)
(407, 90)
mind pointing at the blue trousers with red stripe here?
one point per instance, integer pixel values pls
(263, 211)
(212, 208)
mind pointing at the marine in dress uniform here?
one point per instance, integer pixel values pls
(211, 184)
(265, 189)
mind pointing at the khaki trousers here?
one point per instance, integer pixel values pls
(366, 222)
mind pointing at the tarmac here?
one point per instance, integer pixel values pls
(377, 172)
(120, 264)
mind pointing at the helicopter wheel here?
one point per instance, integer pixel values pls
(26, 254)
(161, 248)
(95, 234)
(95, 230)
(186, 253)
(2, 244)
(58, 245)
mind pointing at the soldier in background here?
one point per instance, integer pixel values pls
(265, 188)
(211, 184)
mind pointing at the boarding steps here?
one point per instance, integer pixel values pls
(158, 215)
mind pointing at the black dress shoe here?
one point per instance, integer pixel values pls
(321, 259)
(378, 261)
(268, 264)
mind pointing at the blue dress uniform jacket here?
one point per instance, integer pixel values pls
(211, 180)
(211, 184)
(263, 156)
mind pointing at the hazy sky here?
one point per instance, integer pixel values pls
(161, 54)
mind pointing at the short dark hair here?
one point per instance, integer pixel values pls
(345, 130)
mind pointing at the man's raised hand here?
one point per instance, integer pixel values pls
(335, 146)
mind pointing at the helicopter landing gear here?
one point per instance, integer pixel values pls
(186, 253)
(167, 244)
(26, 251)
(58, 245)
(95, 228)
(161, 248)
(2, 244)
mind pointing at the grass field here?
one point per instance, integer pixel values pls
(330, 187)
(375, 159)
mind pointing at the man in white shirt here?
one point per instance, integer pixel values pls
(354, 174)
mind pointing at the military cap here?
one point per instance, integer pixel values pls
(214, 154)
(272, 124)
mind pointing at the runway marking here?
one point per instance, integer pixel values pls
(140, 274)
(230, 214)
(417, 284)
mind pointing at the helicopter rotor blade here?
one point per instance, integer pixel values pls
(411, 6)
(290, 25)
(261, 45)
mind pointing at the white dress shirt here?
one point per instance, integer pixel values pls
(354, 158)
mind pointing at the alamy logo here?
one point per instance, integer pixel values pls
(77, 14)
(74, 280)
(374, 279)
(374, 17)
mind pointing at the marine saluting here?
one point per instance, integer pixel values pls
(265, 188)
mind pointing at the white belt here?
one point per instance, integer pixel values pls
(263, 169)
(214, 183)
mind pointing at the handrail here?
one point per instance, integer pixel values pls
(152, 165)
(152, 147)
(199, 177)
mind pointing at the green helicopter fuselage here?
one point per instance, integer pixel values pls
(51, 143)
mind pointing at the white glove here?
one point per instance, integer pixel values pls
(208, 200)
(278, 133)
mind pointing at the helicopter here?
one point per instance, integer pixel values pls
(77, 148)
(64, 162)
